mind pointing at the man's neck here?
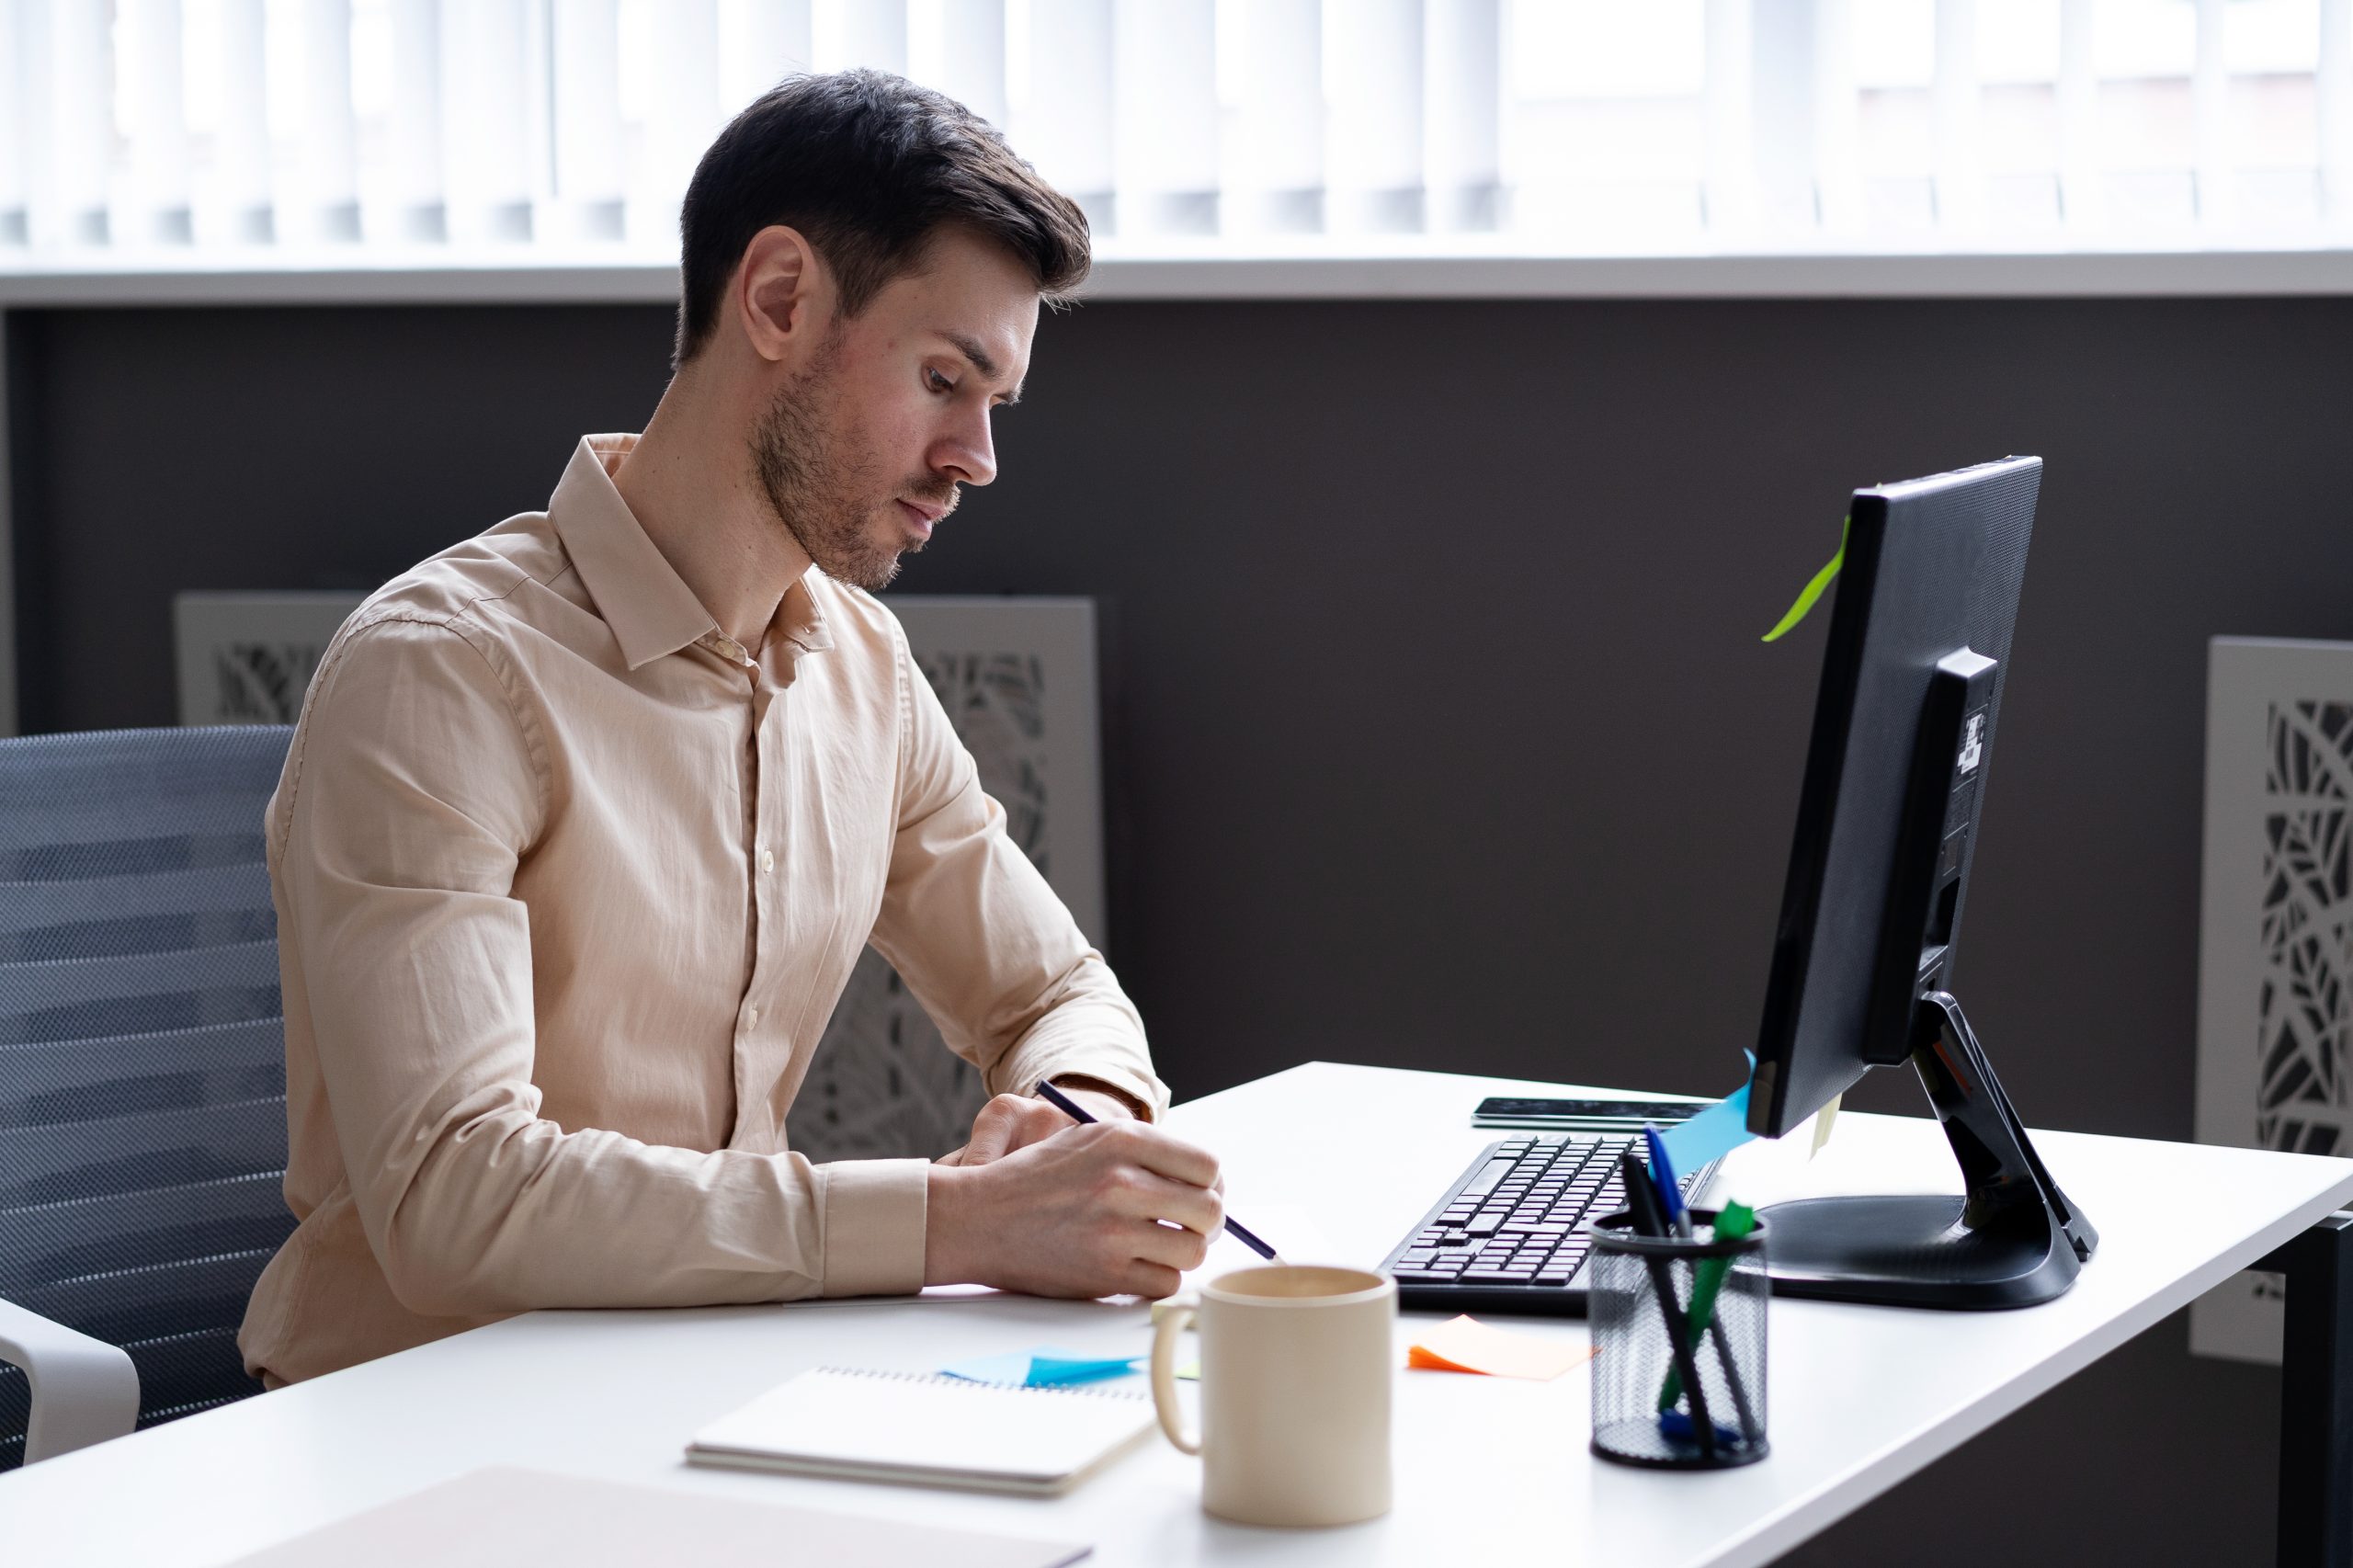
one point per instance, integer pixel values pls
(689, 484)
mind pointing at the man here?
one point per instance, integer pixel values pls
(588, 819)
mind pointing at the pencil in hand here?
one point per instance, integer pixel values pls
(1077, 1112)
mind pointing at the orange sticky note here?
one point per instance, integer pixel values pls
(1466, 1344)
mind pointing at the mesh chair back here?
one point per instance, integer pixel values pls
(143, 1053)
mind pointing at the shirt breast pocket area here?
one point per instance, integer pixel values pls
(643, 876)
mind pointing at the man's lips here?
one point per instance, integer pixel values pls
(920, 517)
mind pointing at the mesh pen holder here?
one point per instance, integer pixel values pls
(1645, 1411)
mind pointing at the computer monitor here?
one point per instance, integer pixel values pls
(1862, 970)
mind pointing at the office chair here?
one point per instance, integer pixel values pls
(142, 1076)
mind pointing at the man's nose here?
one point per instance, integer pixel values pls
(967, 453)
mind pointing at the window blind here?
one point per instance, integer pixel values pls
(181, 128)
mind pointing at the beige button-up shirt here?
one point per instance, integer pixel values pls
(567, 888)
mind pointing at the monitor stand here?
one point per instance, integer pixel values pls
(2012, 1241)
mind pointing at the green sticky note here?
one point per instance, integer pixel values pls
(1813, 590)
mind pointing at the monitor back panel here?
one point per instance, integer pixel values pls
(1933, 565)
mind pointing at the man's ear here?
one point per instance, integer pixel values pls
(781, 292)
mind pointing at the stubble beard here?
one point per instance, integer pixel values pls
(826, 493)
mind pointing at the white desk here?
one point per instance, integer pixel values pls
(1859, 1397)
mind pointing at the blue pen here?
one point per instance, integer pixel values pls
(1077, 1112)
(1670, 1191)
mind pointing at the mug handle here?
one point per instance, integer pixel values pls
(1173, 1321)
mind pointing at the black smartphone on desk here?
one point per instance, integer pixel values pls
(1581, 1116)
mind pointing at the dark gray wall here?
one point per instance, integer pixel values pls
(1440, 733)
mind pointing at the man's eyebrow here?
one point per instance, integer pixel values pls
(983, 361)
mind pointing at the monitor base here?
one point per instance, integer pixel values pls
(2011, 1239)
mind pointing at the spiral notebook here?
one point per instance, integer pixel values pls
(929, 1430)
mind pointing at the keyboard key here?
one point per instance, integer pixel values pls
(1486, 1224)
(1415, 1258)
(1486, 1276)
(1485, 1182)
(1404, 1275)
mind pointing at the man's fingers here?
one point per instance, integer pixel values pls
(1151, 1281)
(1036, 1121)
(1172, 1246)
(1149, 1196)
(994, 1130)
(1163, 1155)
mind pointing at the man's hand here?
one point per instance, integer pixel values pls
(1015, 1122)
(1079, 1212)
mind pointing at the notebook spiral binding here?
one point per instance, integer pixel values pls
(1081, 1390)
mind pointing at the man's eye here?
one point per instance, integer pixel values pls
(939, 383)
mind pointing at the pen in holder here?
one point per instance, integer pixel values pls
(1693, 1399)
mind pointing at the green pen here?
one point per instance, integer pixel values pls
(1735, 1220)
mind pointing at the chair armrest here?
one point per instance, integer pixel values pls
(85, 1391)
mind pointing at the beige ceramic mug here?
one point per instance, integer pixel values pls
(1296, 1368)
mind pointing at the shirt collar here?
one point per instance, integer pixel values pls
(649, 606)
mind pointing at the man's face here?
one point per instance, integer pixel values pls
(862, 451)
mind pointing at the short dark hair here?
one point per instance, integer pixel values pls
(868, 167)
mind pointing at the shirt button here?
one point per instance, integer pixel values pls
(751, 1017)
(767, 860)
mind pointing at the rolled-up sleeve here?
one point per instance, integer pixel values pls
(419, 784)
(982, 941)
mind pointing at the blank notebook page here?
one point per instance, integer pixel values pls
(902, 1426)
(506, 1518)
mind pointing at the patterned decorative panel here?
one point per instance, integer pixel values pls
(2307, 1013)
(2275, 1017)
(248, 658)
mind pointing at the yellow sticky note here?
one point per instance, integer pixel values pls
(1466, 1344)
(1824, 1120)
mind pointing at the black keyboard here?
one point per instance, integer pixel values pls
(1509, 1234)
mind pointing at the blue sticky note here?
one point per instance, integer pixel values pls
(1051, 1367)
(1038, 1369)
(1712, 1133)
(1012, 1368)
